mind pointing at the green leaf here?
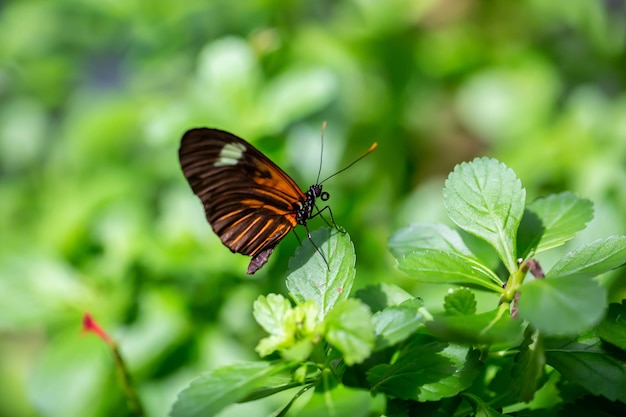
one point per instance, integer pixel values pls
(273, 385)
(333, 399)
(529, 367)
(396, 323)
(437, 266)
(486, 199)
(349, 328)
(270, 312)
(420, 363)
(310, 278)
(382, 295)
(562, 306)
(481, 408)
(589, 366)
(216, 389)
(549, 222)
(427, 370)
(590, 260)
(292, 330)
(468, 367)
(481, 250)
(495, 326)
(613, 328)
(427, 236)
(568, 301)
(299, 351)
(460, 302)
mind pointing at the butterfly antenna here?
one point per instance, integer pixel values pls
(319, 172)
(369, 151)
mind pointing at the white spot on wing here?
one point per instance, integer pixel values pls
(230, 154)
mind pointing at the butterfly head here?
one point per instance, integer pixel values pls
(315, 192)
(304, 210)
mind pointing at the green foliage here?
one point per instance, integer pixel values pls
(437, 266)
(460, 302)
(587, 363)
(350, 330)
(486, 199)
(211, 392)
(405, 357)
(337, 400)
(304, 281)
(562, 307)
(553, 220)
(491, 327)
(316, 332)
(426, 370)
(396, 323)
(613, 328)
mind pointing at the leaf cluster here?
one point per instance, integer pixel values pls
(551, 344)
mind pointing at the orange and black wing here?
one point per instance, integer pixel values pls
(249, 201)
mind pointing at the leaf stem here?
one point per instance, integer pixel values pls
(284, 411)
(425, 313)
(515, 280)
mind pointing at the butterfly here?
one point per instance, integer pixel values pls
(250, 202)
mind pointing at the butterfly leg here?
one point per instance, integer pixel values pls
(297, 237)
(332, 219)
(308, 233)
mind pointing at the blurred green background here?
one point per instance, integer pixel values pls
(96, 216)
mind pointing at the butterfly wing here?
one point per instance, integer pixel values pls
(249, 201)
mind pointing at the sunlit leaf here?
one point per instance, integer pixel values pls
(568, 301)
(333, 399)
(311, 279)
(427, 236)
(273, 385)
(270, 312)
(349, 328)
(485, 198)
(551, 221)
(562, 306)
(382, 295)
(437, 266)
(396, 323)
(216, 389)
(291, 329)
(593, 259)
(495, 326)
(468, 366)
